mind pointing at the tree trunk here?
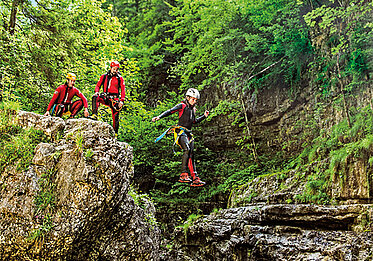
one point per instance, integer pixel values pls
(13, 16)
(137, 4)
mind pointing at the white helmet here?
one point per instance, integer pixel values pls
(192, 93)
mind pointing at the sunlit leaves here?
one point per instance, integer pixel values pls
(56, 37)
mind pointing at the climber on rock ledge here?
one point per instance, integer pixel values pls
(61, 102)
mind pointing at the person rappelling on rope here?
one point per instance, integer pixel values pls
(61, 102)
(113, 93)
(183, 134)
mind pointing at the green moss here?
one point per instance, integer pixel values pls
(339, 145)
(45, 201)
(16, 144)
(139, 199)
(190, 221)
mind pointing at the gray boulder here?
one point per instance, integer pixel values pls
(75, 201)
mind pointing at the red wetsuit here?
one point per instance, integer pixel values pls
(113, 87)
(63, 95)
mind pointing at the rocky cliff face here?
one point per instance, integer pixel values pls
(260, 225)
(265, 220)
(75, 201)
(279, 121)
(276, 232)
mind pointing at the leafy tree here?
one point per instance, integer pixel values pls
(147, 33)
(53, 38)
(342, 35)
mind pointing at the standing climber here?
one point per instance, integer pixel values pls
(183, 134)
(61, 102)
(113, 93)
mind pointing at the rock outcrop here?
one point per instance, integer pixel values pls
(75, 201)
(275, 233)
(263, 221)
(266, 220)
(269, 231)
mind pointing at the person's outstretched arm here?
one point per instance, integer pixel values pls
(178, 107)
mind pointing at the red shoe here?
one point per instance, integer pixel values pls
(184, 178)
(197, 182)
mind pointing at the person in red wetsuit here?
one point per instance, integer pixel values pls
(61, 101)
(183, 134)
(113, 93)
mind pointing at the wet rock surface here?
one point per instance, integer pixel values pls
(277, 232)
(266, 221)
(91, 215)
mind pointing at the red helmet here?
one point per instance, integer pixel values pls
(114, 64)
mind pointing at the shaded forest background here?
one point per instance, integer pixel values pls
(226, 49)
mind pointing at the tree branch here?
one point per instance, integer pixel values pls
(265, 69)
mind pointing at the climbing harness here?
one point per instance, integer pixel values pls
(111, 98)
(177, 131)
(56, 110)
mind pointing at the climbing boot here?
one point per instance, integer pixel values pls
(197, 182)
(184, 178)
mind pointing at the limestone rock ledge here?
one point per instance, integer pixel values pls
(86, 174)
(276, 232)
(265, 221)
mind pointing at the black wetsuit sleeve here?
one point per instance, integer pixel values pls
(200, 118)
(170, 111)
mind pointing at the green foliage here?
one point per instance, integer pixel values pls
(340, 145)
(147, 33)
(345, 56)
(223, 41)
(317, 187)
(142, 200)
(315, 192)
(139, 199)
(16, 144)
(53, 38)
(45, 227)
(45, 199)
(343, 141)
(235, 176)
(45, 202)
(79, 144)
(231, 109)
(189, 222)
(88, 154)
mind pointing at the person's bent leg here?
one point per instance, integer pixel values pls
(76, 107)
(184, 143)
(191, 163)
(60, 109)
(115, 118)
(116, 121)
(96, 100)
(114, 114)
(197, 182)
